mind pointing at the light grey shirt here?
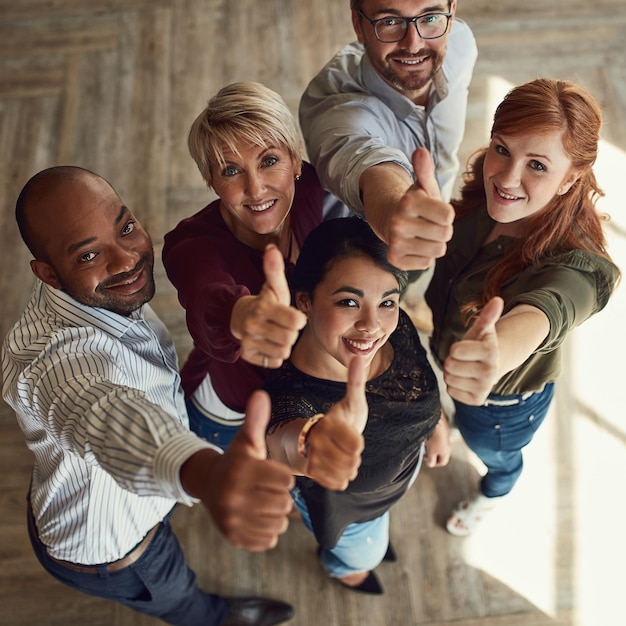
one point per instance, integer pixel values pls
(352, 119)
(98, 397)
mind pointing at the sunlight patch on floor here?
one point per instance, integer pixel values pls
(516, 542)
(600, 516)
(598, 383)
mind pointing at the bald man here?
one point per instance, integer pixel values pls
(93, 378)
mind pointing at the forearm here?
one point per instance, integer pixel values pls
(438, 446)
(210, 321)
(282, 445)
(140, 445)
(520, 332)
(134, 440)
(196, 471)
(382, 186)
(208, 293)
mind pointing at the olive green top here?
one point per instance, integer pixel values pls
(568, 288)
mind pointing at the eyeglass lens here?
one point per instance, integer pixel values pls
(393, 29)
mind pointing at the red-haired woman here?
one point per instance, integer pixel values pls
(527, 264)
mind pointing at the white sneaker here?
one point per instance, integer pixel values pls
(469, 513)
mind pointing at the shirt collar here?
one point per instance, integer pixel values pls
(77, 314)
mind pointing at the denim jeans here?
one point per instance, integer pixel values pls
(498, 430)
(159, 583)
(360, 548)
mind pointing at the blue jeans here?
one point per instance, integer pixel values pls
(218, 433)
(159, 583)
(498, 430)
(360, 548)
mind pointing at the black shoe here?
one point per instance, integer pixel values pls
(256, 612)
(370, 585)
(390, 555)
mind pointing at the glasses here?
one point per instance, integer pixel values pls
(393, 29)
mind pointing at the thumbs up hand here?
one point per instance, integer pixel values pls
(424, 170)
(422, 223)
(247, 495)
(335, 442)
(472, 366)
(274, 270)
(266, 324)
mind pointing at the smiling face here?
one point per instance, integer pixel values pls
(256, 189)
(353, 312)
(93, 247)
(522, 174)
(408, 65)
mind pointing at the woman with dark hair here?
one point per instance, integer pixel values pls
(350, 474)
(527, 264)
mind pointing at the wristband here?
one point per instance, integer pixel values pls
(303, 448)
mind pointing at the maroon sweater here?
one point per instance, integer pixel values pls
(211, 270)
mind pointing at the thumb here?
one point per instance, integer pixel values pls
(258, 411)
(355, 401)
(486, 322)
(424, 169)
(274, 270)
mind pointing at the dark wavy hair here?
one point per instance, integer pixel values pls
(334, 240)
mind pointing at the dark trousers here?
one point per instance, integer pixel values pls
(159, 583)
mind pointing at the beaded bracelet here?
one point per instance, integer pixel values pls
(303, 448)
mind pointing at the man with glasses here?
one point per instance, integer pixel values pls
(403, 85)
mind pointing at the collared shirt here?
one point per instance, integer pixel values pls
(98, 397)
(352, 119)
(569, 288)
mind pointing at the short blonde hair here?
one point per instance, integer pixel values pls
(245, 112)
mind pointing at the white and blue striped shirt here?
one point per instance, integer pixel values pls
(98, 397)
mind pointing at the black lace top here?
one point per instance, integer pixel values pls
(403, 411)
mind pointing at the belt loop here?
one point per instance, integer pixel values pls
(511, 401)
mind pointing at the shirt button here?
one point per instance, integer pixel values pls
(531, 418)
(497, 426)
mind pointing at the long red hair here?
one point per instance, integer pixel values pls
(570, 221)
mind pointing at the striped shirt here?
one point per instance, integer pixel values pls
(98, 397)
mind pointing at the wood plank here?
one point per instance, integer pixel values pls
(113, 85)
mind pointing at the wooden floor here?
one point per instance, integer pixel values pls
(113, 85)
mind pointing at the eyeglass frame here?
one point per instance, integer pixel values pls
(407, 21)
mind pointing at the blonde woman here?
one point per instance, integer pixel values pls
(248, 150)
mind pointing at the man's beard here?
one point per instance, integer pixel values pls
(121, 304)
(416, 80)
